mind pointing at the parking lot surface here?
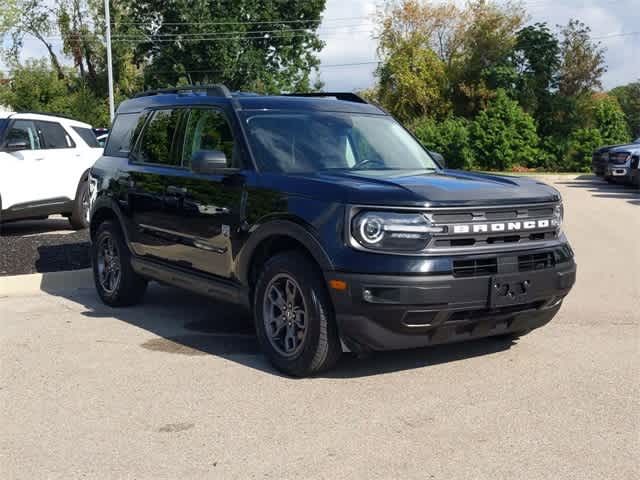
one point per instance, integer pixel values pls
(176, 387)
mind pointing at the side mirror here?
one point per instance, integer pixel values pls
(16, 145)
(438, 158)
(208, 161)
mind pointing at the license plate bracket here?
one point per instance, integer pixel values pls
(508, 290)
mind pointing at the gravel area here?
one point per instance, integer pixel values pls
(42, 246)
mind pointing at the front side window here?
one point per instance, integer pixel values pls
(319, 141)
(23, 135)
(54, 136)
(157, 141)
(208, 129)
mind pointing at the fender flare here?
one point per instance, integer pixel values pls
(281, 227)
(107, 204)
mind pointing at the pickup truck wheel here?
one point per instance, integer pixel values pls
(79, 217)
(116, 282)
(294, 316)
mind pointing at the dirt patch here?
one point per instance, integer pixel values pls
(205, 345)
(176, 427)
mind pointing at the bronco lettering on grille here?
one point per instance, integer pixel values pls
(501, 227)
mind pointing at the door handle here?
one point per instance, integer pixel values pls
(176, 190)
(39, 159)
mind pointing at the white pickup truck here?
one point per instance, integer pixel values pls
(44, 164)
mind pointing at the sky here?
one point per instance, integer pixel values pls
(349, 40)
(348, 30)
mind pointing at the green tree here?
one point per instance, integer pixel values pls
(504, 136)
(449, 137)
(580, 146)
(412, 81)
(267, 45)
(582, 60)
(537, 59)
(629, 98)
(21, 18)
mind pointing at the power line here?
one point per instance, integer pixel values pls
(249, 22)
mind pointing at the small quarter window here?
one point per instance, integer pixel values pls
(87, 136)
(124, 132)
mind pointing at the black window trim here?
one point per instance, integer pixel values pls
(76, 129)
(42, 139)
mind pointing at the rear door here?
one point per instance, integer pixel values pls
(61, 161)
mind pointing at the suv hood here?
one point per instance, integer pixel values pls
(607, 148)
(446, 187)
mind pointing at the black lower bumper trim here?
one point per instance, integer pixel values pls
(395, 312)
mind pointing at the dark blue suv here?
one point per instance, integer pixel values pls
(325, 218)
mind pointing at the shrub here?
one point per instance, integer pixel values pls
(580, 147)
(503, 136)
(449, 137)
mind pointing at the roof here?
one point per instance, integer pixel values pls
(44, 117)
(249, 102)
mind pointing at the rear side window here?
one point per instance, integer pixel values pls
(87, 136)
(54, 136)
(23, 132)
(124, 133)
(157, 141)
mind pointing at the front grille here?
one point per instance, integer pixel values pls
(475, 268)
(465, 229)
(471, 315)
(536, 261)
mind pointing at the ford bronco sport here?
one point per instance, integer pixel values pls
(325, 218)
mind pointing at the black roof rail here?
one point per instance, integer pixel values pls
(345, 96)
(217, 90)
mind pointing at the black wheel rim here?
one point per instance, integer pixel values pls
(285, 315)
(84, 205)
(109, 266)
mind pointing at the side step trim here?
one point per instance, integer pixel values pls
(219, 289)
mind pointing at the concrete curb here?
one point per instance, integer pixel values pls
(54, 282)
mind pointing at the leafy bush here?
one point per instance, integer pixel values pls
(580, 147)
(449, 137)
(504, 136)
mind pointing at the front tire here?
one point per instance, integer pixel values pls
(294, 316)
(116, 282)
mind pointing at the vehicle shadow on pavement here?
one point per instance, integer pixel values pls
(187, 324)
(602, 189)
(55, 225)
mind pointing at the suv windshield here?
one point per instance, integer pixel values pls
(316, 141)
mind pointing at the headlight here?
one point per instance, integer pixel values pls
(405, 232)
(558, 217)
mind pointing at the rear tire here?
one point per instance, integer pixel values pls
(116, 282)
(294, 316)
(79, 218)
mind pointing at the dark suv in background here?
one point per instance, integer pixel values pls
(325, 218)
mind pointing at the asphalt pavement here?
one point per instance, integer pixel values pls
(176, 387)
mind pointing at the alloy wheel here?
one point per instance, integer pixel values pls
(285, 315)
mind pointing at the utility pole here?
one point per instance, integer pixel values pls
(107, 19)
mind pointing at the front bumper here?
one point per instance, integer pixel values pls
(378, 312)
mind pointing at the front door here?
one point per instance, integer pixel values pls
(186, 218)
(22, 182)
